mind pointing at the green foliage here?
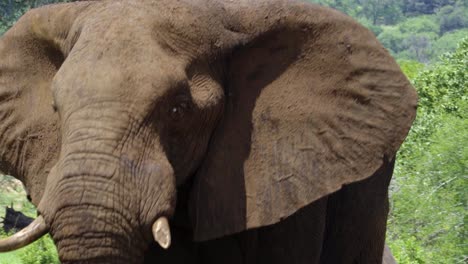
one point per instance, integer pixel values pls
(410, 29)
(378, 12)
(428, 210)
(42, 251)
(416, 7)
(442, 90)
(392, 38)
(445, 86)
(429, 198)
(419, 24)
(453, 17)
(448, 42)
(12, 10)
(417, 46)
(410, 41)
(407, 251)
(12, 193)
(376, 29)
(411, 68)
(417, 39)
(381, 11)
(9, 258)
(345, 6)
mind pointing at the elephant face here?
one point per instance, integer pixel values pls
(132, 127)
(260, 108)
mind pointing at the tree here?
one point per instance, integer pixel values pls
(381, 11)
(392, 38)
(11, 10)
(429, 198)
(419, 24)
(418, 46)
(419, 7)
(448, 42)
(452, 17)
(411, 68)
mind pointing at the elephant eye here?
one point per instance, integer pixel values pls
(178, 111)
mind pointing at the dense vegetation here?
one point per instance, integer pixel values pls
(40, 252)
(427, 223)
(419, 30)
(429, 190)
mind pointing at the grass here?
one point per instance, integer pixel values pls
(10, 258)
(40, 252)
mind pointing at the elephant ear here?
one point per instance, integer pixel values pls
(31, 53)
(313, 102)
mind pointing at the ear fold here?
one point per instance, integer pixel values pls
(31, 53)
(313, 102)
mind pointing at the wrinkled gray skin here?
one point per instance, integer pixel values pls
(264, 130)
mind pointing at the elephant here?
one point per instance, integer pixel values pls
(202, 131)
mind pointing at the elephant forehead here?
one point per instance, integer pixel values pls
(182, 28)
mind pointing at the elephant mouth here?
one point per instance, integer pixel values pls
(38, 228)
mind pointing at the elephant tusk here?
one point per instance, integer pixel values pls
(162, 232)
(31, 233)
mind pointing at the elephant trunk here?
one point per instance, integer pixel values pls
(96, 234)
(111, 184)
(103, 211)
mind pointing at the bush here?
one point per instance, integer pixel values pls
(392, 38)
(419, 24)
(406, 44)
(419, 46)
(42, 251)
(411, 68)
(448, 42)
(429, 198)
(368, 24)
(407, 251)
(452, 18)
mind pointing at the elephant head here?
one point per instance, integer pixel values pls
(257, 108)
